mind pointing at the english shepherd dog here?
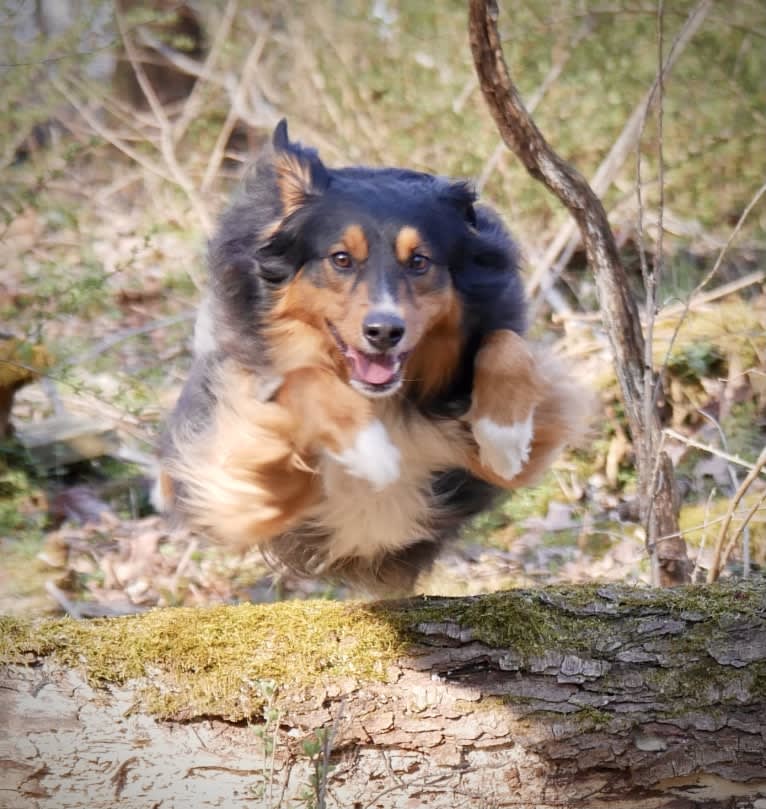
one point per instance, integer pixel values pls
(361, 385)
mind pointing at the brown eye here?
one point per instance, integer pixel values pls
(341, 260)
(419, 264)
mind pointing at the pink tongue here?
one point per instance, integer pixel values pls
(374, 369)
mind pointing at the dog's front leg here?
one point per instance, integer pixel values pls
(506, 390)
(335, 419)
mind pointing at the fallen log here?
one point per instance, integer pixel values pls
(600, 696)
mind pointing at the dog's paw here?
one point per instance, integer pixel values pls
(503, 448)
(373, 456)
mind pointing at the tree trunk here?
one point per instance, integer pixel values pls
(597, 697)
(619, 311)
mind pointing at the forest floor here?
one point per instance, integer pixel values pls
(103, 256)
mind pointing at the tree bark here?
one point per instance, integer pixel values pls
(599, 697)
(618, 307)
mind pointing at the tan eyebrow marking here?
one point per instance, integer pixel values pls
(407, 241)
(355, 242)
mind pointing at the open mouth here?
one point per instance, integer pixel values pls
(372, 374)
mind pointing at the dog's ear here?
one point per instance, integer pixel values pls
(299, 173)
(288, 178)
(461, 195)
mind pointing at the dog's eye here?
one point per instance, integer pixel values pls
(341, 260)
(419, 264)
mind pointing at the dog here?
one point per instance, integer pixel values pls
(361, 385)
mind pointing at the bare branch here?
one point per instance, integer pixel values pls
(566, 239)
(167, 142)
(618, 307)
(719, 554)
(550, 78)
(690, 442)
(245, 81)
(193, 103)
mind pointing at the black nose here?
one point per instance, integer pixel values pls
(383, 330)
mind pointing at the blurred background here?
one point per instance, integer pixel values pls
(126, 126)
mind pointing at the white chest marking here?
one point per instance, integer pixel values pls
(364, 520)
(372, 457)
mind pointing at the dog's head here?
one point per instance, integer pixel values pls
(373, 269)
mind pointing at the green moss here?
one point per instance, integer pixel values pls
(593, 718)
(209, 661)
(527, 622)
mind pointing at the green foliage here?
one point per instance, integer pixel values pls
(513, 509)
(19, 490)
(696, 361)
(745, 430)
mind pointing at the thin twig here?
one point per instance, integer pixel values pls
(725, 444)
(265, 117)
(566, 239)
(167, 142)
(739, 532)
(356, 103)
(651, 282)
(694, 528)
(59, 596)
(675, 309)
(735, 459)
(718, 554)
(193, 103)
(706, 280)
(703, 541)
(327, 744)
(108, 135)
(550, 78)
(240, 94)
(126, 334)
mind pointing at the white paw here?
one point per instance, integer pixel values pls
(372, 457)
(503, 448)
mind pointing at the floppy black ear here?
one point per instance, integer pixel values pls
(298, 171)
(461, 196)
(283, 253)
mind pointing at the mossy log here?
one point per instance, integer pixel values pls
(570, 697)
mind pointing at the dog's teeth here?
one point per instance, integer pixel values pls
(372, 457)
(503, 448)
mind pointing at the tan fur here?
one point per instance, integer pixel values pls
(408, 240)
(436, 355)
(507, 384)
(253, 477)
(297, 332)
(367, 523)
(355, 242)
(165, 489)
(562, 417)
(327, 413)
(242, 480)
(248, 478)
(293, 181)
